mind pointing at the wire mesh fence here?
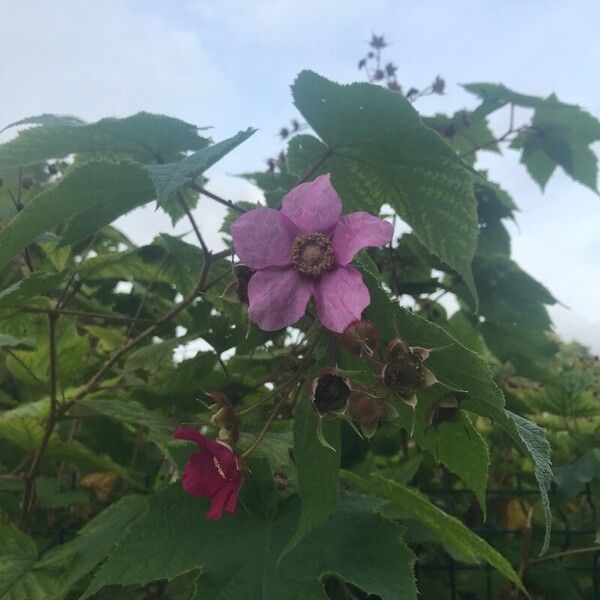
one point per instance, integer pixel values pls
(568, 540)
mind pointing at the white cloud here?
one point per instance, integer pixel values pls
(230, 63)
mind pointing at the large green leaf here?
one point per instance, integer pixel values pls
(28, 287)
(516, 325)
(378, 151)
(96, 184)
(169, 178)
(449, 530)
(458, 368)
(18, 579)
(238, 555)
(23, 427)
(538, 448)
(13, 343)
(25, 576)
(560, 135)
(46, 119)
(318, 468)
(129, 412)
(455, 443)
(144, 137)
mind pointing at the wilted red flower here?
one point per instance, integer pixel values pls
(212, 472)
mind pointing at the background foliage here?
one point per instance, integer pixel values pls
(90, 501)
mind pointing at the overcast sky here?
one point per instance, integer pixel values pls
(229, 64)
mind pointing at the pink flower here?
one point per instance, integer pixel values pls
(304, 250)
(213, 472)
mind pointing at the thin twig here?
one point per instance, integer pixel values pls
(279, 405)
(227, 203)
(145, 297)
(193, 223)
(565, 553)
(65, 297)
(83, 314)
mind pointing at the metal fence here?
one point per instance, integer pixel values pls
(569, 538)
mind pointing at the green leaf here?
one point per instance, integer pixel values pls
(560, 135)
(318, 469)
(238, 555)
(18, 579)
(450, 531)
(454, 366)
(11, 342)
(144, 137)
(46, 119)
(535, 441)
(516, 325)
(134, 414)
(25, 576)
(51, 494)
(23, 427)
(455, 443)
(571, 479)
(28, 287)
(458, 368)
(378, 151)
(496, 95)
(464, 133)
(171, 177)
(110, 188)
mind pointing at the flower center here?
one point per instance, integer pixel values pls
(312, 254)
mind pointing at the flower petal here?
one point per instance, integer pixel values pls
(341, 296)
(218, 503)
(278, 297)
(313, 206)
(263, 238)
(200, 477)
(189, 434)
(357, 231)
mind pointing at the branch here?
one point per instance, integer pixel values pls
(82, 314)
(192, 221)
(279, 405)
(227, 203)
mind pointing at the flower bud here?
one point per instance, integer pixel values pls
(438, 85)
(27, 181)
(360, 338)
(330, 393)
(225, 418)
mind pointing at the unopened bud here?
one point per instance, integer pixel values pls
(438, 85)
(27, 181)
(360, 338)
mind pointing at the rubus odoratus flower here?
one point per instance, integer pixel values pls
(304, 250)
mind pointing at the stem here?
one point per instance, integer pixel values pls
(192, 221)
(279, 405)
(314, 168)
(145, 297)
(565, 553)
(131, 343)
(227, 203)
(66, 296)
(29, 493)
(83, 314)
